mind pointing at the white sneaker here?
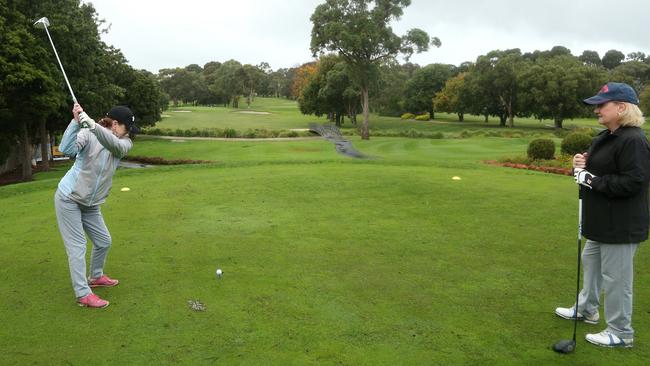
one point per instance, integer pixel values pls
(568, 313)
(608, 339)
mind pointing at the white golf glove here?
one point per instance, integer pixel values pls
(85, 121)
(583, 177)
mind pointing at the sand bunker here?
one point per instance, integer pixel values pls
(252, 112)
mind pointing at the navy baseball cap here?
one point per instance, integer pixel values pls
(617, 92)
(124, 115)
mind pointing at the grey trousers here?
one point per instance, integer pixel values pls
(609, 267)
(75, 219)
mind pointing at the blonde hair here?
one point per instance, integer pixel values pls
(631, 116)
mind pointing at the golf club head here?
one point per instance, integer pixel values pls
(42, 23)
(565, 346)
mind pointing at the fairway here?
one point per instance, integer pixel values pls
(327, 260)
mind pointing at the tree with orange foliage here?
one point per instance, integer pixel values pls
(301, 78)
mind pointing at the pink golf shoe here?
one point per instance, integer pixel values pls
(103, 281)
(92, 301)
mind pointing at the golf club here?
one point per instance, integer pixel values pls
(43, 23)
(569, 345)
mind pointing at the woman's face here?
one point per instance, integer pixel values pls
(608, 114)
(118, 129)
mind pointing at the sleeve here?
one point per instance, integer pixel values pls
(633, 162)
(117, 146)
(73, 141)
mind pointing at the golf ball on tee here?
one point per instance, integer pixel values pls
(219, 272)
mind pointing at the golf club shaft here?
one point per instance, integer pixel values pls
(575, 320)
(74, 99)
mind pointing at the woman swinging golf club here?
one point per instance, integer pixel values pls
(614, 175)
(98, 148)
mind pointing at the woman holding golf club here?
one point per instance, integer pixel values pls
(614, 176)
(98, 148)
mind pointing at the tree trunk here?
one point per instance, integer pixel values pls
(461, 117)
(338, 119)
(511, 117)
(45, 142)
(486, 118)
(431, 113)
(502, 120)
(365, 134)
(558, 122)
(26, 173)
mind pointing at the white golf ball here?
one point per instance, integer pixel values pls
(219, 272)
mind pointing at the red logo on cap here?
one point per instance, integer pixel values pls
(604, 89)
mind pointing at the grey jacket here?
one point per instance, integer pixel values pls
(98, 152)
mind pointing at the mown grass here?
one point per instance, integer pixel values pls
(327, 261)
(283, 115)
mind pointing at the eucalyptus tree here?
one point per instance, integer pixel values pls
(360, 32)
(496, 76)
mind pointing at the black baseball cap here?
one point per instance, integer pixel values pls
(124, 115)
(617, 92)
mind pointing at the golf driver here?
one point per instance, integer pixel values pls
(569, 345)
(43, 23)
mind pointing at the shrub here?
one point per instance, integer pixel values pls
(437, 135)
(423, 117)
(575, 143)
(408, 116)
(465, 134)
(229, 133)
(541, 149)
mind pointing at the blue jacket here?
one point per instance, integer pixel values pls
(98, 153)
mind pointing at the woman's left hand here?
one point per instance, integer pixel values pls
(76, 110)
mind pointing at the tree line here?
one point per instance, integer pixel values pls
(502, 83)
(34, 102)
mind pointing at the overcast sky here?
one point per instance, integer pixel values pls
(155, 34)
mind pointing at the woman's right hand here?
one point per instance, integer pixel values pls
(580, 161)
(76, 110)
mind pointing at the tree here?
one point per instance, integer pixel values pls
(612, 58)
(636, 56)
(229, 82)
(423, 86)
(361, 34)
(454, 97)
(34, 100)
(644, 99)
(496, 75)
(388, 95)
(33, 89)
(301, 78)
(634, 73)
(555, 87)
(253, 77)
(590, 58)
(330, 91)
(184, 85)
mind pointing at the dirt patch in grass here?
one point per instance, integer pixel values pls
(539, 168)
(156, 160)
